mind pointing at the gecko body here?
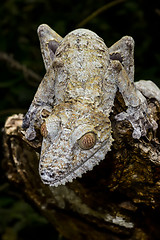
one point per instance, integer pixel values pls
(72, 105)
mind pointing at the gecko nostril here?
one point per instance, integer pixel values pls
(52, 175)
(45, 113)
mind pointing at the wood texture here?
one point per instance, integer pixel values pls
(118, 199)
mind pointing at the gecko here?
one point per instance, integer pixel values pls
(74, 100)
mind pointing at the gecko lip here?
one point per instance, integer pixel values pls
(54, 179)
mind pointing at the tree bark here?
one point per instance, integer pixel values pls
(118, 199)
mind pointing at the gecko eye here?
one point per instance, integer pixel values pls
(87, 141)
(50, 126)
(43, 130)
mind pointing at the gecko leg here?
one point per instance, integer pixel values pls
(137, 112)
(49, 41)
(123, 50)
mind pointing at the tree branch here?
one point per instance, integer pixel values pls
(99, 11)
(17, 66)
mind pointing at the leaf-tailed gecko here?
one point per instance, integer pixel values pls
(72, 105)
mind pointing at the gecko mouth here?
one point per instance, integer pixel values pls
(80, 169)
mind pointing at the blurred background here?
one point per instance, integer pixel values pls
(22, 69)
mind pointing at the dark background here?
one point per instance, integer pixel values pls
(18, 39)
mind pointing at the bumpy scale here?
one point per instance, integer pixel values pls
(72, 105)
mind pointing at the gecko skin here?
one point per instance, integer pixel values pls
(72, 105)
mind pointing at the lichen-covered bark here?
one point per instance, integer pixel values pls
(118, 199)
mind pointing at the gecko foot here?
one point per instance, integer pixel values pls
(140, 120)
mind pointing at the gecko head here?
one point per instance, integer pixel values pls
(75, 139)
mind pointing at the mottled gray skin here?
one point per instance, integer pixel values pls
(76, 97)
